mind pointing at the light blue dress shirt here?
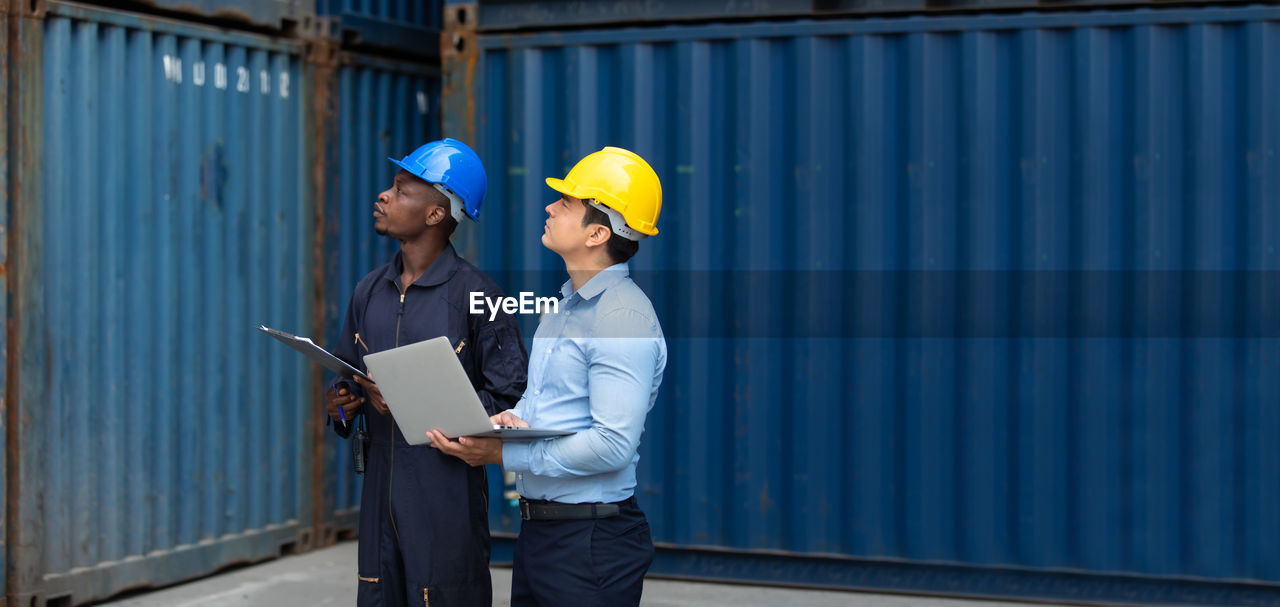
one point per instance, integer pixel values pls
(595, 368)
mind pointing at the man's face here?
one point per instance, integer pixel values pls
(563, 231)
(401, 211)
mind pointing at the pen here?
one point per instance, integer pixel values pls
(342, 413)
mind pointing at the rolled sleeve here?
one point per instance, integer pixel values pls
(515, 456)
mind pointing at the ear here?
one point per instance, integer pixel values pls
(435, 215)
(597, 235)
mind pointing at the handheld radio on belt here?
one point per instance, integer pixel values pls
(359, 445)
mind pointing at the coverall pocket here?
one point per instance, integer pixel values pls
(369, 592)
(453, 595)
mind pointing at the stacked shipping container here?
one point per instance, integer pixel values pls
(173, 188)
(991, 296)
(156, 437)
(964, 305)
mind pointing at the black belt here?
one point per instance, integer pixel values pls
(539, 510)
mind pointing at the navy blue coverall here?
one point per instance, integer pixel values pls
(424, 527)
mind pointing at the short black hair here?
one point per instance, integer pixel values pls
(619, 249)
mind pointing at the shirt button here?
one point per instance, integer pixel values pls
(537, 392)
(548, 350)
(568, 313)
(520, 477)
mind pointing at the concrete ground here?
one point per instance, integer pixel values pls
(327, 577)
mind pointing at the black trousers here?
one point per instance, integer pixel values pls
(583, 563)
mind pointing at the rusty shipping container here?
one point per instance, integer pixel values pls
(160, 210)
(180, 176)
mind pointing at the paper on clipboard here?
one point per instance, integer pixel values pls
(317, 354)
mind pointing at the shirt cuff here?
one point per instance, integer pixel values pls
(515, 455)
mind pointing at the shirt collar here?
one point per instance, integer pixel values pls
(439, 272)
(603, 279)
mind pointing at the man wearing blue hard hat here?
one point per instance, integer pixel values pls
(424, 526)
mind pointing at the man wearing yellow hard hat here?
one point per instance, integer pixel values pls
(594, 370)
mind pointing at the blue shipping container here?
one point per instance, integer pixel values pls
(274, 14)
(407, 12)
(967, 305)
(167, 212)
(411, 26)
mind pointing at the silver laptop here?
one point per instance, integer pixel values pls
(426, 387)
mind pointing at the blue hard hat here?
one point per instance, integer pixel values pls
(453, 165)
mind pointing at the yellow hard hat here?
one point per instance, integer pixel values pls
(621, 181)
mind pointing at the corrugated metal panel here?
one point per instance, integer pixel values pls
(267, 13)
(558, 14)
(384, 108)
(410, 12)
(162, 437)
(989, 291)
(554, 14)
(406, 25)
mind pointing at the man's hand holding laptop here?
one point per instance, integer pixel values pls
(474, 450)
(507, 418)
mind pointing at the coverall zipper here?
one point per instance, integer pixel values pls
(391, 478)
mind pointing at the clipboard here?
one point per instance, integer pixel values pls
(317, 354)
